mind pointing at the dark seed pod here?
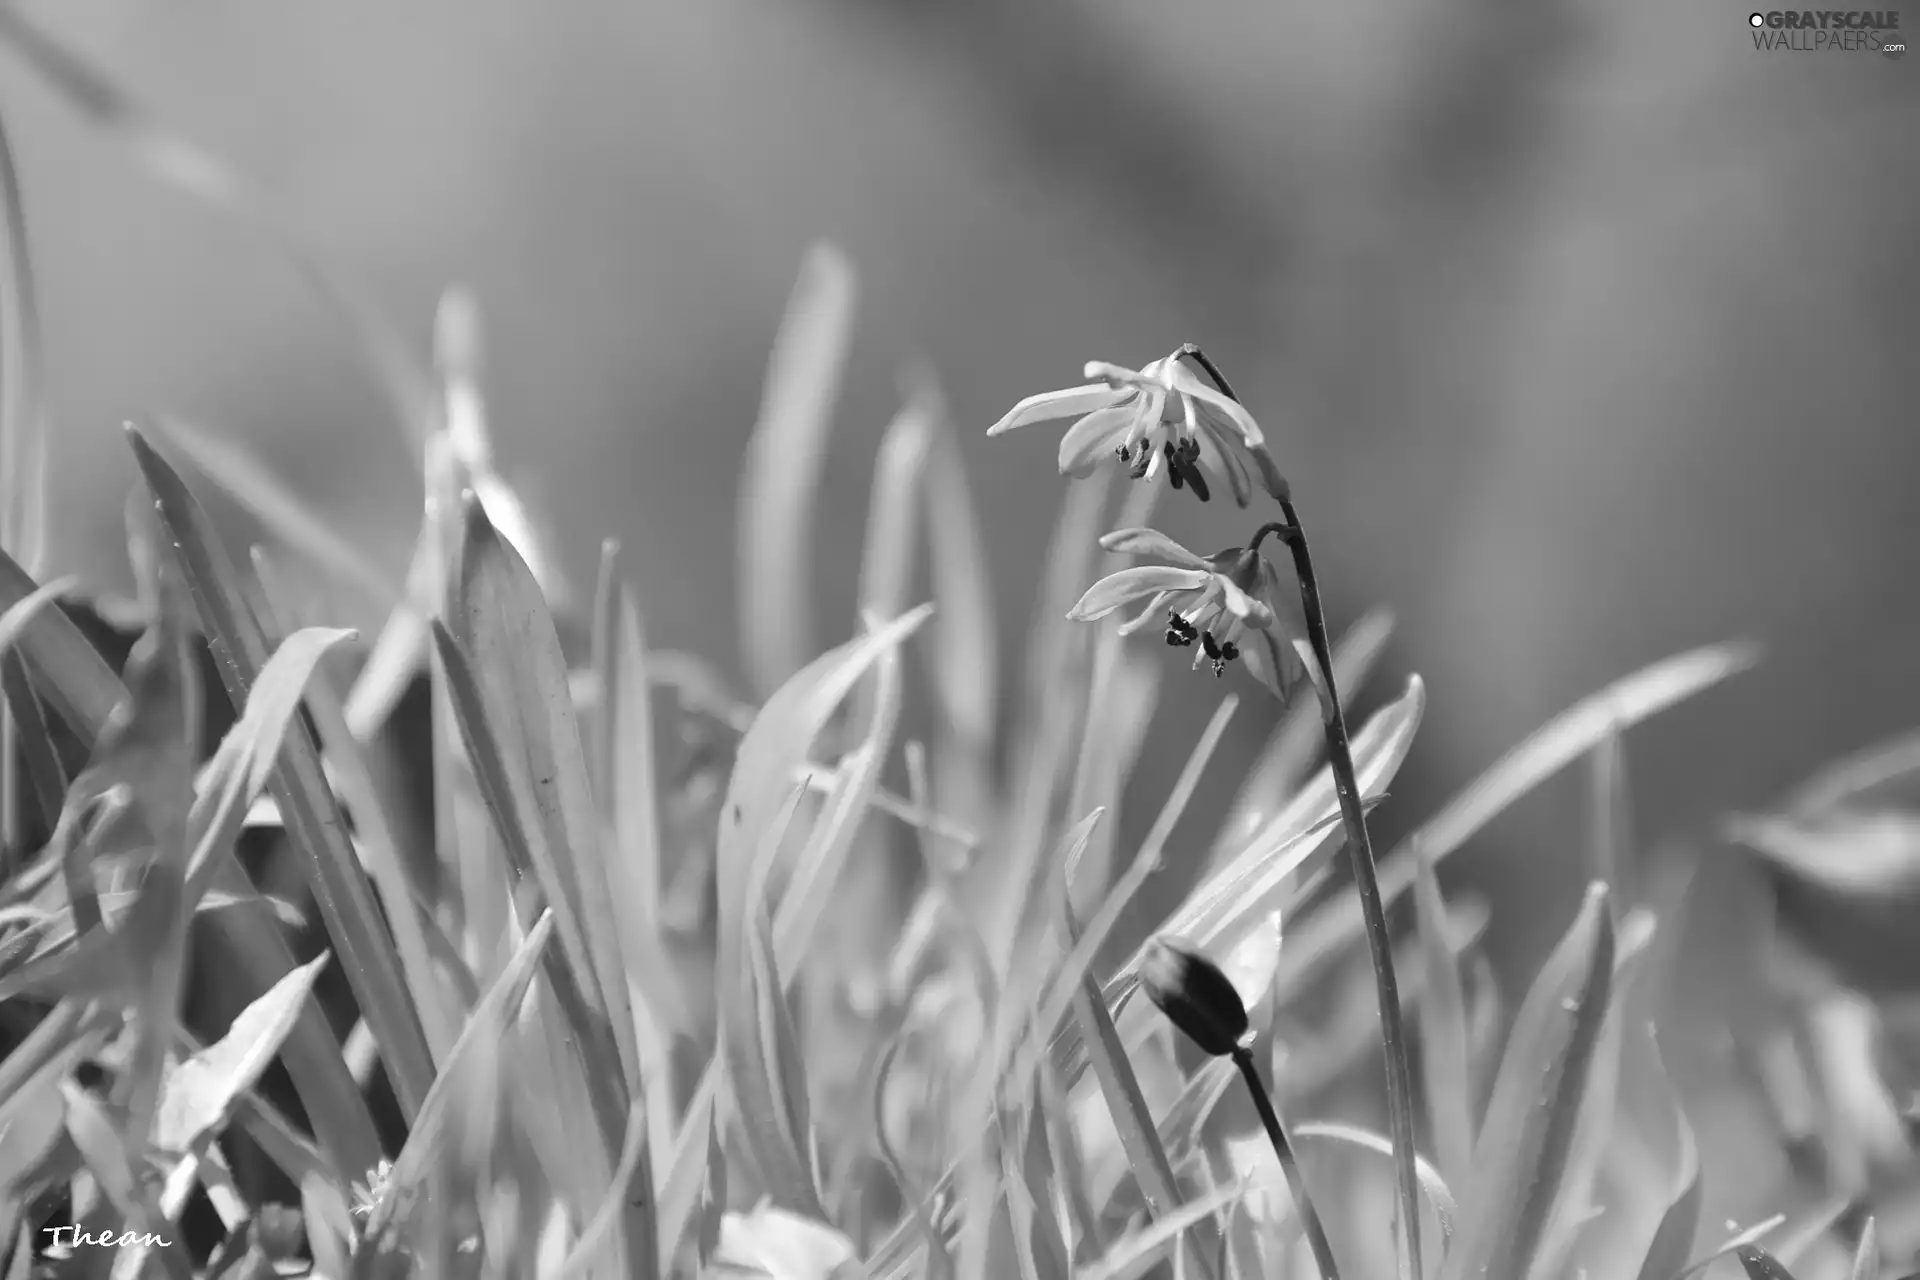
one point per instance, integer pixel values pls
(1195, 995)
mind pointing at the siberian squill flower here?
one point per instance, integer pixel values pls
(1220, 601)
(1163, 417)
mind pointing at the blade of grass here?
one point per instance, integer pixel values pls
(1062, 991)
(181, 164)
(781, 474)
(33, 740)
(100, 1144)
(1611, 814)
(374, 826)
(485, 1031)
(778, 743)
(1523, 1149)
(824, 856)
(1446, 1210)
(963, 648)
(1614, 709)
(499, 620)
(1139, 1135)
(1446, 1063)
(22, 409)
(247, 481)
(1042, 737)
(1866, 1254)
(307, 804)
(1280, 770)
(765, 1078)
(70, 675)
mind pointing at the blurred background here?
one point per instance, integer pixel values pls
(1584, 332)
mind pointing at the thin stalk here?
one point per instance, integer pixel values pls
(1366, 877)
(1283, 1148)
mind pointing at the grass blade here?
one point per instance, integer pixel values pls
(1523, 1149)
(469, 1061)
(1568, 736)
(201, 1092)
(247, 481)
(783, 466)
(1866, 1254)
(1445, 1059)
(1280, 770)
(70, 675)
(83, 690)
(307, 804)
(963, 647)
(1446, 1210)
(1139, 1135)
(775, 746)
(499, 620)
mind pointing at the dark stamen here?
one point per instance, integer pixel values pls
(1206, 642)
(1176, 466)
(1123, 453)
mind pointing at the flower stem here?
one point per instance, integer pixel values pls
(1283, 1148)
(1366, 878)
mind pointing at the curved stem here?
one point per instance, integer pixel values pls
(1283, 1148)
(1366, 878)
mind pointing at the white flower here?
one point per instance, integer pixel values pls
(1219, 600)
(1162, 417)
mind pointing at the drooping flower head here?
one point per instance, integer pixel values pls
(1164, 417)
(1219, 601)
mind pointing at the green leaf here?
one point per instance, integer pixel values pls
(1523, 1150)
(307, 805)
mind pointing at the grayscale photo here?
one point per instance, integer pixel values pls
(919, 640)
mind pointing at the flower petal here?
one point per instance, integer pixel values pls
(1216, 406)
(1093, 437)
(1151, 542)
(1050, 405)
(1117, 590)
(1245, 607)
(1155, 608)
(1116, 376)
(1218, 457)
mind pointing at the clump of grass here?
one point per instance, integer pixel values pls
(607, 1017)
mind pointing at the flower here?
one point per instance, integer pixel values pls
(1195, 996)
(1164, 415)
(1217, 600)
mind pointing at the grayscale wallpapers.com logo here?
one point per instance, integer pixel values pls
(1826, 31)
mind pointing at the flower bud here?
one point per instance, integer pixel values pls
(1195, 995)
